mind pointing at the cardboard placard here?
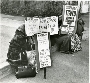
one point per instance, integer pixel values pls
(32, 26)
(52, 25)
(43, 25)
(36, 22)
(43, 50)
(70, 17)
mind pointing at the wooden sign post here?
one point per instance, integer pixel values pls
(44, 51)
(44, 72)
(38, 28)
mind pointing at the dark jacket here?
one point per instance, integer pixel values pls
(80, 27)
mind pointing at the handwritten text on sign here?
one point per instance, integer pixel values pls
(69, 19)
(70, 15)
(43, 25)
(43, 49)
(38, 25)
(32, 26)
(52, 25)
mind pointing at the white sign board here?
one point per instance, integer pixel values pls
(36, 22)
(69, 19)
(39, 25)
(43, 49)
(31, 26)
(43, 25)
(52, 25)
(70, 15)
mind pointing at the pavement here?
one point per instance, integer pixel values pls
(6, 22)
(66, 68)
(8, 25)
(11, 21)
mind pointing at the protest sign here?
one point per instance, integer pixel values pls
(52, 25)
(43, 50)
(29, 26)
(36, 22)
(43, 25)
(70, 17)
(32, 26)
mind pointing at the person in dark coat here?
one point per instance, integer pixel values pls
(80, 28)
(18, 43)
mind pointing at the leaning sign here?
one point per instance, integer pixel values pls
(70, 15)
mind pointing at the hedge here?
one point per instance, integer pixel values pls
(32, 8)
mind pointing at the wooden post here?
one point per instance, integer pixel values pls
(44, 72)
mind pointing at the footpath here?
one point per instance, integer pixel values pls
(11, 21)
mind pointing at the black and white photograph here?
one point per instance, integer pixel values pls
(44, 41)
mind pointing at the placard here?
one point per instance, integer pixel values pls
(52, 25)
(43, 25)
(70, 17)
(36, 22)
(32, 26)
(43, 50)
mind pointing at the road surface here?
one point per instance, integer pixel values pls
(66, 68)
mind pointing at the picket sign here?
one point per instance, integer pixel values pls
(44, 51)
(42, 47)
(43, 28)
